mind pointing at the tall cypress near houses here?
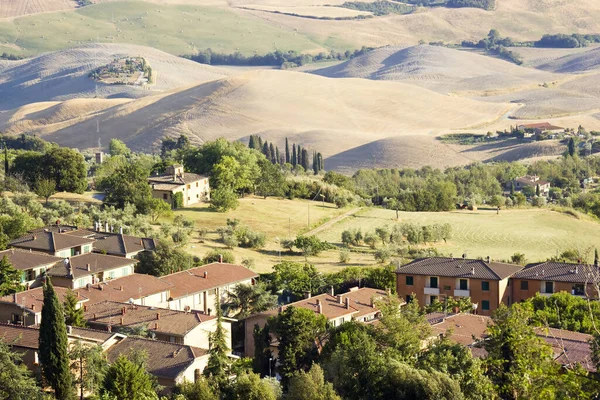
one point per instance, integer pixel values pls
(266, 150)
(321, 163)
(259, 144)
(217, 368)
(300, 155)
(53, 345)
(294, 158)
(272, 153)
(287, 151)
(277, 155)
(315, 163)
(252, 143)
(305, 161)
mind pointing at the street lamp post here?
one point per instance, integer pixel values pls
(270, 363)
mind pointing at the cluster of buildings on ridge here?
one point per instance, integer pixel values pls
(178, 310)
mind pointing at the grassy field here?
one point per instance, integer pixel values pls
(150, 24)
(278, 219)
(538, 233)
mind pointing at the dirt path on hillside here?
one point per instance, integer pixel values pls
(332, 222)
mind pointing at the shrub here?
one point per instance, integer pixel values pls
(383, 254)
(213, 256)
(344, 256)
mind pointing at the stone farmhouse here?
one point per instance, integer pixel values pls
(532, 181)
(194, 188)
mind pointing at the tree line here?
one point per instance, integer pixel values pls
(294, 156)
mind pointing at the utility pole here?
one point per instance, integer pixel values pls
(308, 206)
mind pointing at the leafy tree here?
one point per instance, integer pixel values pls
(311, 245)
(67, 168)
(565, 311)
(310, 385)
(91, 364)
(519, 363)
(213, 256)
(271, 181)
(73, 315)
(53, 344)
(518, 258)
(128, 380)
(165, 259)
(217, 368)
(10, 278)
(223, 199)
(246, 300)
(383, 233)
(198, 390)
(297, 330)
(158, 208)
(128, 184)
(45, 188)
(370, 240)
(249, 386)
(16, 382)
(117, 147)
(456, 361)
(296, 278)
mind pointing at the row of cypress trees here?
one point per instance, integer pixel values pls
(296, 155)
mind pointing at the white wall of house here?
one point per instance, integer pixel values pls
(189, 373)
(202, 301)
(153, 300)
(198, 337)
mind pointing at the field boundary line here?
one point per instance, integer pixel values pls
(332, 222)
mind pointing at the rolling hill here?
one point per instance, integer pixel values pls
(312, 110)
(63, 75)
(575, 63)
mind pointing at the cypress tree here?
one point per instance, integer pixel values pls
(537, 190)
(266, 150)
(5, 161)
(259, 143)
(512, 188)
(320, 162)
(315, 164)
(272, 153)
(217, 368)
(305, 160)
(252, 143)
(10, 278)
(572, 147)
(596, 260)
(53, 345)
(300, 155)
(294, 158)
(287, 151)
(277, 156)
(73, 315)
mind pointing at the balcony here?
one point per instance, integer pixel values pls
(462, 293)
(432, 291)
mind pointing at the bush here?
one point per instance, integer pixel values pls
(213, 256)
(177, 200)
(383, 254)
(344, 256)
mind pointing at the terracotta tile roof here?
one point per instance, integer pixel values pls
(217, 275)
(466, 328)
(360, 299)
(135, 286)
(569, 347)
(56, 229)
(90, 334)
(20, 336)
(116, 243)
(49, 241)
(161, 320)
(88, 264)
(436, 317)
(559, 272)
(459, 268)
(164, 360)
(531, 181)
(24, 260)
(34, 298)
(541, 125)
(327, 305)
(170, 179)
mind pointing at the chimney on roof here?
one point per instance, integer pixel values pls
(331, 291)
(577, 268)
(156, 325)
(34, 237)
(157, 315)
(85, 308)
(88, 266)
(33, 307)
(205, 274)
(340, 299)
(100, 287)
(121, 288)
(109, 328)
(141, 242)
(348, 303)
(473, 271)
(220, 258)
(307, 294)
(372, 302)
(14, 297)
(280, 309)
(122, 321)
(464, 256)
(123, 310)
(94, 316)
(488, 259)
(69, 330)
(319, 307)
(121, 230)
(106, 226)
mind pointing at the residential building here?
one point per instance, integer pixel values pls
(141, 289)
(532, 181)
(170, 363)
(190, 328)
(542, 128)
(197, 288)
(32, 265)
(552, 277)
(25, 308)
(570, 348)
(89, 269)
(54, 243)
(438, 278)
(116, 244)
(194, 188)
(356, 304)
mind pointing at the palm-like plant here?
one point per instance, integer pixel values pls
(245, 300)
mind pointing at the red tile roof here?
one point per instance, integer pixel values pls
(116, 243)
(49, 241)
(88, 264)
(466, 328)
(206, 277)
(559, 272)
(135, 286)
(459, 268)
(34, 298)
(24, 260)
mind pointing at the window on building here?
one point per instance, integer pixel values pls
(111, 275)
(31, 275)
(165, 196)
(463, 284)
(485, 305)
(410, 280)
(524, 285)
(80, 282)
(188, 186)
(188, 199)
(125, 271)
(485, 286)
(196, 184)
(433, 282)
(549, 287)
(172, 339)
(578, 289)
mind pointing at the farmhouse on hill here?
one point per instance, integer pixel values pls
(532, 181)
(542, 128)
(193, 187)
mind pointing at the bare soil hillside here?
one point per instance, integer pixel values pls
(330, 115)
(575, 63)
(15, 8)
(64, 74)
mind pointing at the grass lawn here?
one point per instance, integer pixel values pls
(278, 219)
(538, 233)
(176, 29)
